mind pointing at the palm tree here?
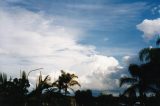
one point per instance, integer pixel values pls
(151, 67)
(36, 95)
(144, 76)
(133, 81)
(41, 85)
(66, 81)
(150, 54)
(137, 82)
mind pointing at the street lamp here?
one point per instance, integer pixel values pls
(33, 70)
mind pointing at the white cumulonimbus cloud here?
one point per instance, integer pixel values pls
(30, 40)
(150, 28)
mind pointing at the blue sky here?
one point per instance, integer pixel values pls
(107, 24)
(96, 39)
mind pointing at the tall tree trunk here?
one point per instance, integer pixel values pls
(141, 97)
(65, 90)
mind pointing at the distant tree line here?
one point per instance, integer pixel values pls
(14, 92)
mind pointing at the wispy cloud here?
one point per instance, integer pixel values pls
(88, 15)
(156, 10)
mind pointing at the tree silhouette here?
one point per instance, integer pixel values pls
(135, 83)
(158, 41)
(65, 82)
(150, 54)
(42, 84)
(36, 96)
(14, 90)
(144, 77)
(84, 97)
(151, 67)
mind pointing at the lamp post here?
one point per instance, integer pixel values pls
(32, 71)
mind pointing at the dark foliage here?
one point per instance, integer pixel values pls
(145, 78)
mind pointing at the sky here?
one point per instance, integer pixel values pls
(95, 39)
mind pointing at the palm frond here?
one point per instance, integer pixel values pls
(134, 70)
(158, 41)
(74, 82)
(71, 89)
(73, 76)
(131, 91)
(151, 89)
(127, 80)
(3, 78)
(40, 78)
(144, 54)
(63, 72)
(46, 79)
(24, 76)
